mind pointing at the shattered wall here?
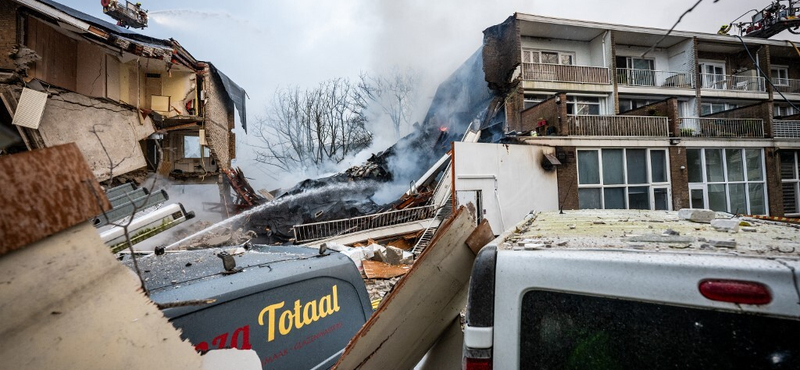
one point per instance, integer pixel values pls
(180, 87)
(71, 117)
(219, 119)
(501, 54)
(59, 64)
(8, 32)
(91, 70)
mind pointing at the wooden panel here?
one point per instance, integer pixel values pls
(381, 270)
(112, 78)
(91, 70)
(59, 55)
(45, 191)
(421, 306)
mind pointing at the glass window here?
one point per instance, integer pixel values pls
(614, 198)
(738, 199)
(779, 76)
(613, 173)
(610, 186)
(588, 165)
(549, 57)
(790, 181)
(733, 157)
(757, 204)
(714, 169)
(570, 331)
(661, 198)
(658, 163)
(717, 197)
(583, 105)
(567, 59)
(637, 166)
(697, 199)
(589, 198)
(639, 197)
(753, 157)
(695, 165)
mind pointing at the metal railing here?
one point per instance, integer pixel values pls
(562, 73)
(644, 77)
(721, 127)
(587, 125)
(786, 85)
(326, 229)
(786, 128)
(735, 83)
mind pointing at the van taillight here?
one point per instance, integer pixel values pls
(478, 364)
(735, 291)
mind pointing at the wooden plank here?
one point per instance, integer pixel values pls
(481, 236)
(46, 191)
(382, 270)
(421, 306)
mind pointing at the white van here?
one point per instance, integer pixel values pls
(630, 289)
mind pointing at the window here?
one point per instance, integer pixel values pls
(531, 100)
(623, 179)
(790, 179)
(548, 57)
(583, 105)
(711, 108)
(779, 75)
(191, 147)
(727, 180)
(637, 71)
(561, 330)
(783, 111)
(713, 75)
(631, 104)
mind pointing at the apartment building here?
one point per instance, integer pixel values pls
(688, 123)
(66, 76)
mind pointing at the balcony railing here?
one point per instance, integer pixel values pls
(326, 229)
(734, 83)
(786, 128)
(562, 73)
(786, 85)
(721, 127)
(586, 125)
(644, 77)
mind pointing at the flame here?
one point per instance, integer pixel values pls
(443, 129)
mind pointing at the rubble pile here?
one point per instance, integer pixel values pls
(217, 238)
(375, 168)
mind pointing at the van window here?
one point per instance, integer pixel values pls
(569, 331)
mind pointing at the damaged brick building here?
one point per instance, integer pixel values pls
(66, 76)
(690, 122)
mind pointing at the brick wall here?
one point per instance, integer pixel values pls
(774, 186)
(219, 119)
(761, 110)
(665, 108)
(549, 110)
(679, 176)
(501, 55)
(8, 32)
(567, 177)
(514, 102)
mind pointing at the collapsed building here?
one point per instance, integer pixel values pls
(133, 104)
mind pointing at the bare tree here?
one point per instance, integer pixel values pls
(394, 94)
(305, 129)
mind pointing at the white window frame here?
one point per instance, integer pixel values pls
(712, 80)
(782, 111)
(572, 100)
(795, 181)
(726, 106)
(704, 184)
(652, 186)
(780, 80)
(559, 55)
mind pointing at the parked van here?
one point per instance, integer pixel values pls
(295, 307)
(635, 290)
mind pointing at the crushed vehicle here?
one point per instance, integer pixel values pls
(626, 289)
(296, 307)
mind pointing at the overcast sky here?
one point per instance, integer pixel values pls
(263, 45)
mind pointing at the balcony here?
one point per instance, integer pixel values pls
(652, 78)
(562, 73)
(733, 83)
(586, 125)
(786, 129)
(786, 85)
(721, 127)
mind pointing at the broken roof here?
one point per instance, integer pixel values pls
(649, 230)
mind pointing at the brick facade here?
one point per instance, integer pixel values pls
(679, 176)
(8, 32)
(761, 110)
(665, 108)
(553, 110)
(219, 119)
(567, 178)
(774, 186)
